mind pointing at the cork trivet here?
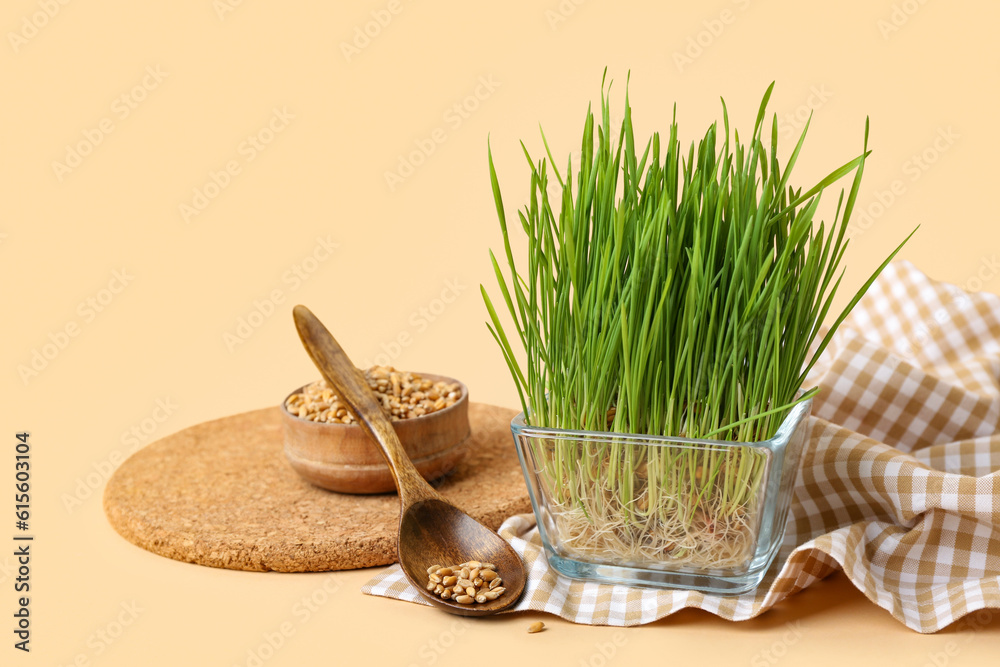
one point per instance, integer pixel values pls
(222, 494)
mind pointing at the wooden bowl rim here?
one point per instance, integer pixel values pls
(463, 397)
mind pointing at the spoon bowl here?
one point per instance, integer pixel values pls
(435, 532)
(432, 531)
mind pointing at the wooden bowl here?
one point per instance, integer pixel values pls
(343, 458)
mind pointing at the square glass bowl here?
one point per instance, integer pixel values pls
(667, 512)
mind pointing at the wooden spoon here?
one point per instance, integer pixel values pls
(432, 531)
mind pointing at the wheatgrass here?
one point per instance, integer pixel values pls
(667, 292)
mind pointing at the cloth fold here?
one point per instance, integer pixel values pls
(899, 485)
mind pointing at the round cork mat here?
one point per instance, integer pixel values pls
(222, 494)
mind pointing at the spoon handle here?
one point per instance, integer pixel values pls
(350, 385)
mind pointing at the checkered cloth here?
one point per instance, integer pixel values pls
(899, 485)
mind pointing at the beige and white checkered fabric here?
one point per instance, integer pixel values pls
(899, 486)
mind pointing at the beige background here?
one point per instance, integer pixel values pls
(223, 70)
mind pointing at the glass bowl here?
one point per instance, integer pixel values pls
(670, 512)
